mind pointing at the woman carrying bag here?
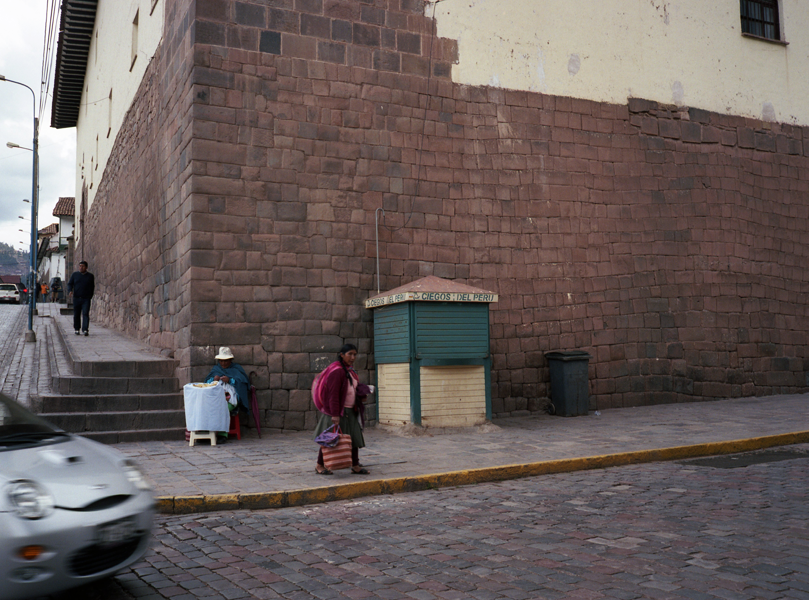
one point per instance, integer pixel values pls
(339, 395)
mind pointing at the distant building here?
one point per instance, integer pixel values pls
(10, 279)
(631, 179)
(53, 254)
(48, 245)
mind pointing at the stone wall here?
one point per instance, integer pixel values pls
(137, 232)
(669, 242)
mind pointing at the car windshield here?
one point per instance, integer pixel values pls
(19, 427)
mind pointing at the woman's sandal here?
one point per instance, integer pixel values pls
(325, 471)
(361, 471)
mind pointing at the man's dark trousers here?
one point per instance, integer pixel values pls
(81, 313)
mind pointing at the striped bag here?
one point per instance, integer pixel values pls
(339, 456)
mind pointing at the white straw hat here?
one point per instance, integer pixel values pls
(224, 354)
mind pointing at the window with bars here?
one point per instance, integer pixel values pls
(760, 18)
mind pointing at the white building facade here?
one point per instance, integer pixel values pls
(681, 52)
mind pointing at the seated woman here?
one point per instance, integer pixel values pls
(227, 371)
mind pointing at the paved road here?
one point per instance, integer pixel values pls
(12, 319)
(12, 322)
(660, 530)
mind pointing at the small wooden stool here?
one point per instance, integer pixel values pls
(202, 435)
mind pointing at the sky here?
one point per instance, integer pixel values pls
(22, 32)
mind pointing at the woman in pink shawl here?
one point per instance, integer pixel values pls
(339, 396)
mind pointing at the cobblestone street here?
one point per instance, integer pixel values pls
(652, 530)
(12, 322)
(661, 530)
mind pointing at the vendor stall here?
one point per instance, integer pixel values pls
(431, 350)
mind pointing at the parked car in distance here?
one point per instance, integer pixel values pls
(23, 292)
(9, 293)
(71, 510)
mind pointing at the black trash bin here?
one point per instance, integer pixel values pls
(570, 389)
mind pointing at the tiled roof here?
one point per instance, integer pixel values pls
(65, 207)
(431, 283)
(50, 230)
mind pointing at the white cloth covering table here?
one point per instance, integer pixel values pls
(206, 411)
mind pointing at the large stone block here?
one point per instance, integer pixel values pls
(294, 420)
(296, 362)
(215, 10)
(283, 20)
(250, 14)
(300, 400)
(316, 26)
(235, 334)
(299, 47)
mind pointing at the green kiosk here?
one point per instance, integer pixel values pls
(431, 349)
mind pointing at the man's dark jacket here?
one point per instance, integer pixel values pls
(82, 285)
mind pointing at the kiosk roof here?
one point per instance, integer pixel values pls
(432, 289)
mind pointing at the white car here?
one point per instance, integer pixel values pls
(9, 293)
(71, 510)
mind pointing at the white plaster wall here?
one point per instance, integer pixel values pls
(58, 267)
(53, 265)
(110, 68)
(686, 52)
(65, 229)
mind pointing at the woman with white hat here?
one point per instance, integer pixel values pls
(227, 371)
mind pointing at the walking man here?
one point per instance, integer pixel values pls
(81, 286)
(57, 285)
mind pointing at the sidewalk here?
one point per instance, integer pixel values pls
(278, 470)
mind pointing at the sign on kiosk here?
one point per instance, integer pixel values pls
(429, 297)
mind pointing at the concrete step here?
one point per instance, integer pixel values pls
(125, 368)
(143, 435)
(55, 403)
(109, 386)
(113, 390)
(126, 421)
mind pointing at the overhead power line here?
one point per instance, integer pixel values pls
(50, 40)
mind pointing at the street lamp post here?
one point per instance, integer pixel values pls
(30, 335)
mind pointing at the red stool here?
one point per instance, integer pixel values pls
(235, 429)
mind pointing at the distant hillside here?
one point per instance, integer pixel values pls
(12, 262)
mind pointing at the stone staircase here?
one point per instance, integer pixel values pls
(114, 401)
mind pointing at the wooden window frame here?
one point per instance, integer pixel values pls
(754, 23)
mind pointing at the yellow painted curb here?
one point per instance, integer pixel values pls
(179, 505)
(263, 500)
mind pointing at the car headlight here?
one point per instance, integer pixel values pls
(29, 499)
(135, 475)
